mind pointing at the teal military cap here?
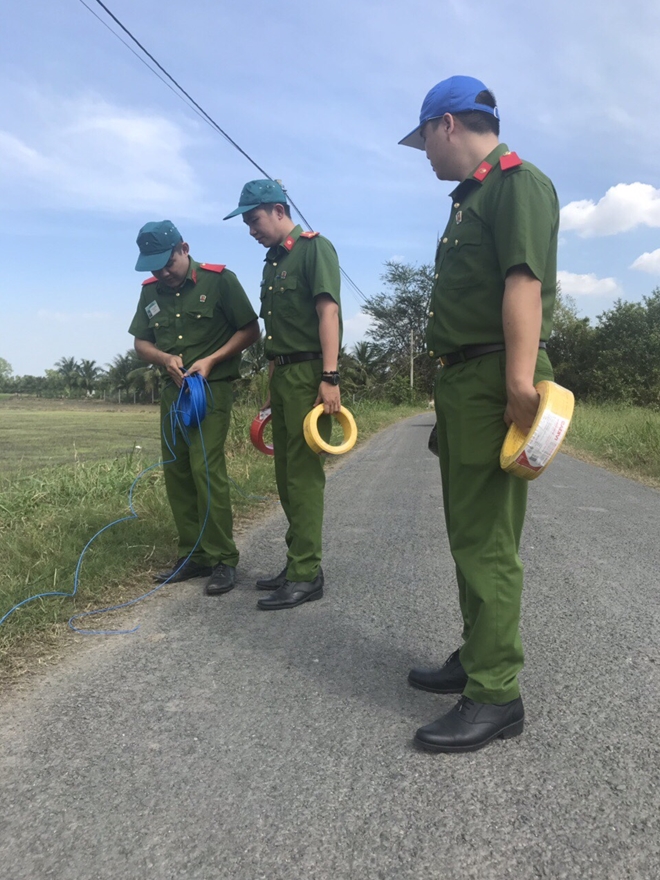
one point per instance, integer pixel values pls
(156, 242)
(259, 192)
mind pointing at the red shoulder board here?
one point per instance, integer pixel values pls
(510, 160)
(211, 267)
(288, 242)
(482, 171)
(149, 281)
(309, 234)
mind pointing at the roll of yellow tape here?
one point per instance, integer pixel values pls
(528, 456)
(317, 443)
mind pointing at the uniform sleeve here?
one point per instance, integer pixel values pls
(140, 323)
(322, 268)
(525, 222)
(234, 301)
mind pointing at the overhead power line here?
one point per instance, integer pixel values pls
(175, 87)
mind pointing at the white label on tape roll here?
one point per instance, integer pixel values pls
(547, 437)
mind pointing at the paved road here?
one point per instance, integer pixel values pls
(222, 742)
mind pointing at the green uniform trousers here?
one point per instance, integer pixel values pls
(484, 512)
(298, 470)
(186, 478)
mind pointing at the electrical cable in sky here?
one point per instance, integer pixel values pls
(199, 110)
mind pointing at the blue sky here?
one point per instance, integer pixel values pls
(92, 145)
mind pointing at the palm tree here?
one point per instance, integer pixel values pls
(120, 368)
(146, 380)
(88, 375)
(68, 369)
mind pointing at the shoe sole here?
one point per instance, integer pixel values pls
(430, 690)
(509, 732)
(281, 607)
(221, 592)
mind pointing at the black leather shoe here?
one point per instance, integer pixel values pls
(293, 593)
(470, 726)
(185, 571)
(222, 580)
(449, 679)
(272, 583)
(277, 581)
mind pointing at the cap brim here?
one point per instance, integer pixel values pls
(414, 139)
(242, 209)
(153, 262)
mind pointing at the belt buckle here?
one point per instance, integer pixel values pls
(442, 361)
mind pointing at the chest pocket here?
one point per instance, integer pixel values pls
(199, 311)
(460, 256)
(290, 298)
(198, 324)
(162, 328)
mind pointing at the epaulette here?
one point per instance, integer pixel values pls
(211, 267)
(510, 160)
(149, 281)
(482, 172)
(309, 234)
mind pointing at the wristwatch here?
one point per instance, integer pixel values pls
(331, 377)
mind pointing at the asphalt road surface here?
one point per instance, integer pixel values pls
(225, 742)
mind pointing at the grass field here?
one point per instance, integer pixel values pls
(67, 469)
(623, 438)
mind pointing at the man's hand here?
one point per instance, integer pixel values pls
(174, 366)
(521, 408)
(203, 366)
(330, 397)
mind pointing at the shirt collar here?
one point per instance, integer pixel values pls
(284, 246)
(477, 177)
(191, 275)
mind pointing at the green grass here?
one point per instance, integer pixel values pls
(35, 433)
(68, 468)
(625, 438)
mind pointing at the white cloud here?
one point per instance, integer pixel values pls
(648, 262)
(355, 328)
(47, 315)
(623, 207)
(87, 154)
(587, 285)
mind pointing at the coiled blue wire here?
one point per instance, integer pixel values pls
(188, 411)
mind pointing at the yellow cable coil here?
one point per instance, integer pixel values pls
(317, 443)
(528, 456)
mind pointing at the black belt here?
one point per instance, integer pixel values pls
(470, 352)
(282, 359)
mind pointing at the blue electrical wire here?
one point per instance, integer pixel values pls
(188, 411)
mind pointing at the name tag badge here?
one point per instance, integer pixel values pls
(152, 309)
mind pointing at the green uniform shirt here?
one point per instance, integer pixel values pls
(197, 319)
(499, 219)
(296, 272)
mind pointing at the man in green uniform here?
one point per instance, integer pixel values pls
(490, 314)
(301, 311)
(194, 319)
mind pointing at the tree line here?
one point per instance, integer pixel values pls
(616, 359)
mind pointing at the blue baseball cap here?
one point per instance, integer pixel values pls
(259, 192)
(454, 95)
(156, 242)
